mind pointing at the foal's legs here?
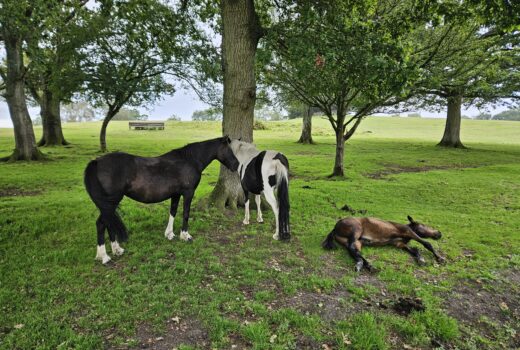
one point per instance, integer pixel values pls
(187, 197)
(246, 207)
(101, 250)
(258, 201)
(428, 246)
(412, 251)
(173, 211)
(354, 248)
(269, 196)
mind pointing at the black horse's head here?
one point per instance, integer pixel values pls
(225, 155)
(422, 230)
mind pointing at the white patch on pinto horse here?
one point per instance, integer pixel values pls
(258, 201)
(246, 217)
(102, 254)
(185, 236)
(169, 229)
(116, 248)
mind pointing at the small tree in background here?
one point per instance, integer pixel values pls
(345, 57)
(139, 42)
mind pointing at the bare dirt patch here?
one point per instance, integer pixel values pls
(18, 192)
(392, 169)
(188, 331)
(488, 308)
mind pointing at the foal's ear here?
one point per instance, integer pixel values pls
(410, 219)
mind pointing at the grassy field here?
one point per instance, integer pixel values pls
(236, 288)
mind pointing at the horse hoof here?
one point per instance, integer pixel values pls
(119, 252)
(421, 262)
(245, 222)
(169, 235)
(260, 220)
(190, 240)
(276, 237)
(359, 266)
(106, 259)
(441, 260)
(185, 236)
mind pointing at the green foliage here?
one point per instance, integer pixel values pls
(511, 114)
(79, 111)
(129, 114)
(209, 114)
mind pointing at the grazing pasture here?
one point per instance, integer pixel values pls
(234, 286)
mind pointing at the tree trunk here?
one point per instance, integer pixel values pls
(103, 133)
(25, 142)
(306, 136)
(451, 136)
(339, 169)
(51, 121)
(241, 31)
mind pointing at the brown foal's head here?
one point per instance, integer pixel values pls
(422, 230)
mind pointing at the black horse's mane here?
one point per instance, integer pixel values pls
(191, 149)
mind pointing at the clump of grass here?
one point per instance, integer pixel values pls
(362, 332)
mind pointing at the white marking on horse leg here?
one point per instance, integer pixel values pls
(185, 236)
(169, 229)
(258, 201)
(246, 215)
(102, 254)
(270, 198)
(116, 249)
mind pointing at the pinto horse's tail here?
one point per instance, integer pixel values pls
(282, 177)
(106, 204)
(328, 243)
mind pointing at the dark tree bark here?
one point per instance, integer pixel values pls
(343, 134)
(339, 168)
(306, 136)
(25, 141)
(451, 137)
(241, 31)
(51, 120)
(103, 133)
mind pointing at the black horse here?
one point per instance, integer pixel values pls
(149, 180)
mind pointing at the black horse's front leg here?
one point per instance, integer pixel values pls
(185, 236)
(168, 233)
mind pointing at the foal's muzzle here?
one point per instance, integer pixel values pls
(438, 235)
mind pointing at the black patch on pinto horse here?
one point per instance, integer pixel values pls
(252, 181)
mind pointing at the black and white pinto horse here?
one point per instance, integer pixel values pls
(149, 180)
(265, 171)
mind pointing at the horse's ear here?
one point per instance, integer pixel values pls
(410, 219)
(227, 139)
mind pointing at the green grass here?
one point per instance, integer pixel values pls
(235, 284)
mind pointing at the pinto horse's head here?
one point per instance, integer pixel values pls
(422, 230)
(225, 154)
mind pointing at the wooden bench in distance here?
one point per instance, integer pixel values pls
(146, 125)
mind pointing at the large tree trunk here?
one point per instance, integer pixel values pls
(51, 121)
(241, 31)
(451, 136)
(306, 136)
(25, 142)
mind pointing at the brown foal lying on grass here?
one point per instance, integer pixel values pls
(353, 233)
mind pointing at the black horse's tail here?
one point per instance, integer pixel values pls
(329, 243)
(282, 176)
(106, 204)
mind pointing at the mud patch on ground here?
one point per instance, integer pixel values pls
(18, 192)
(188, 332)
(490, 308)
(392, 169)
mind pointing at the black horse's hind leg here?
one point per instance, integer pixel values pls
(101, 250)
(185, 236)
(168, 233)
(353, 248)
